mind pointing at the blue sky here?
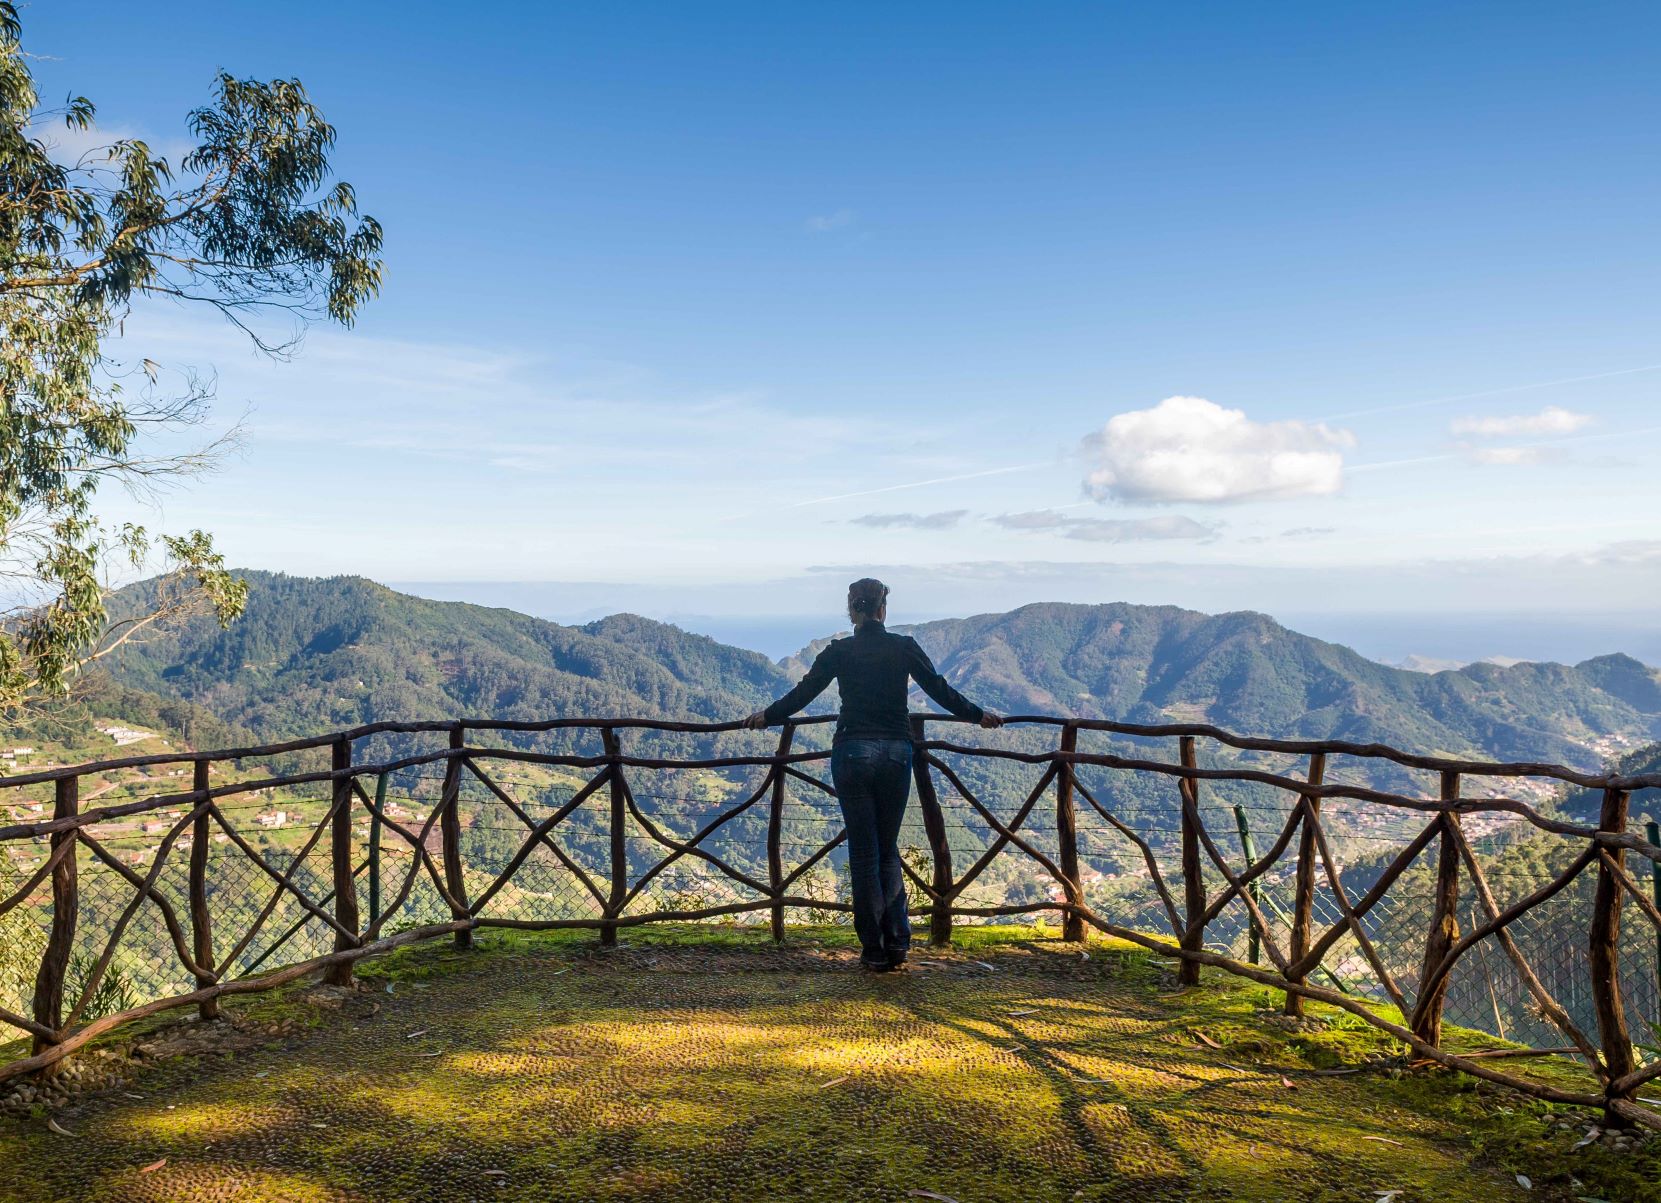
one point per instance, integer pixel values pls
(686, 303)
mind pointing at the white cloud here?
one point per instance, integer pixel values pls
(1296, 532)
(88, 148)
(1626, 552)
(1553, 419)
(1133, 530)
(1109, 530)
(944, 520)
(1506, 456)
(487, 405)
(824, 223)
(1032, 520)
(1192, 449)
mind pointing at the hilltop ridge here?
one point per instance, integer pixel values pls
(311, 654)
(1245, 671)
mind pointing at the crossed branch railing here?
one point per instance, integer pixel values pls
(59, 1025)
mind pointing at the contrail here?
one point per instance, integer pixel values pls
(1399, 463)
(1583, 438)
(1492, 392)
(915, 484)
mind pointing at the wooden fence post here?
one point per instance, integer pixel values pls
(201, 918)
(449, 818)
(1652, 830)
(1303, 900)
(54, 962)
(340, 851)
(1605, 952)
(1248, 849)
(775, 832)
(1444, 922)
(1066, 835)
(934, 825)
(619, 847)
(375, 849)
(1193, 884)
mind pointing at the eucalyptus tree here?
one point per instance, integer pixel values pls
(249, 223)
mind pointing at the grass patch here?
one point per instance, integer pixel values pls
(706, 1063)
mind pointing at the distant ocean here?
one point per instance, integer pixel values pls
(1455, 638)
(1565, 638)
(1389, 638)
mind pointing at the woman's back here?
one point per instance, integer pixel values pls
(873, 669)
(871, 762)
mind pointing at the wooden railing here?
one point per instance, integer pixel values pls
(218, 963)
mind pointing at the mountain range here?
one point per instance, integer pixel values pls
(317, 654)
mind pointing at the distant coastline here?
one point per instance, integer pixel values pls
(1424, 641)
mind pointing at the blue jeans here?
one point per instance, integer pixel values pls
(873, 783)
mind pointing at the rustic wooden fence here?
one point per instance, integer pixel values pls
(322, 880)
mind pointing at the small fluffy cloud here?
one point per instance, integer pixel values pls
(1506, 456)
(1033, 520)
(824, 223)
(1192, 449)
(1132, 530)
(1108, 530)
(944, 520)
(88, 149)
(1631, 551)
(1551, 420)
(1296, 532)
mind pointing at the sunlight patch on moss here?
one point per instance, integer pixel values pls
(627, 1079)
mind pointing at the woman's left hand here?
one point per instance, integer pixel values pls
(756, 721)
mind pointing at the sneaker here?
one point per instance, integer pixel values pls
(874, 966)
(896, 960)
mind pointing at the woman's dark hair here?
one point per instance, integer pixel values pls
(865, 598)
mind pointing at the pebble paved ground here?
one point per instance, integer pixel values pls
(1024, 1073)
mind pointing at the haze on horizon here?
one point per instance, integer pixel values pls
(1347, 316)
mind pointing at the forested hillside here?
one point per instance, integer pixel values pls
(1582, 806)
(1246, 672)
(315, 655)
(312, 655)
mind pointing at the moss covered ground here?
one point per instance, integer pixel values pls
(702, 1064)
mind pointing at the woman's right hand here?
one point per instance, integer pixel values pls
(756, 721)
(991, 721)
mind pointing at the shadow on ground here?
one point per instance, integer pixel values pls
(541, 1070)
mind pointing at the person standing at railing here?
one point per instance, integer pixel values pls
(871, 758)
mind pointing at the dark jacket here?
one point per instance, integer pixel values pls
(873, 668)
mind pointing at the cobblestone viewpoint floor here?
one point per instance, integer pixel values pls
(1021, 1072)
